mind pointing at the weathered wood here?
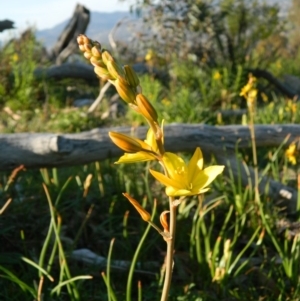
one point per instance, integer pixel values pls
(56, 150)
(67, 43)
(45, 149)
(284, 89)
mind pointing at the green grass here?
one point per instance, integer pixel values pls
(225, 248)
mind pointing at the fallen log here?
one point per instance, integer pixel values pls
(80, 70)
(57, 150)
(36, 150)
(76, 70)
(282, 87)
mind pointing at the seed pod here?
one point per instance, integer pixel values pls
(131, 76)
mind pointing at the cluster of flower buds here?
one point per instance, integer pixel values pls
(123, 78)
(106, 67)
(128, 87)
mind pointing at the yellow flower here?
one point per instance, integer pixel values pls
(217, 75)
(149, 150)
(15, 57)
(290, 153)
(251, 97)
(186, 179)
(245, 90)
(264, 97)
(249, 86)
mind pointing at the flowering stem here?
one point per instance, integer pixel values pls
(170, 251)
(160, 146)
(255, 166)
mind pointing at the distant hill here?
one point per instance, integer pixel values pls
(99, 27)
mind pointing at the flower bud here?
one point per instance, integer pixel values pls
(106, 56)
(88, 47)
(146, 108)
(96, 51)
(144, 214)
(103, 73)
(96, 62)
(131, 76)
(81, 47)
(125, 91)
(81, 39)
(114, 69)
(126, 143)
(87, 55)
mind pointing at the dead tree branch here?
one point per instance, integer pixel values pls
(67, 43)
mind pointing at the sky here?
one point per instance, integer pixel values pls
(45, 14)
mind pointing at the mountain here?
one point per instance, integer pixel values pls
(98, 29)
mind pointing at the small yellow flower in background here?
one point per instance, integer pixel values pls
(186, 179)
(290, 153)
(166, 102)
(278, 65)
(291, 106)
(251, 97)
(149, 55)
(249, 86)
(15, 57)
(264, 97)
(217, 75)
(245, 90)
(249, 92)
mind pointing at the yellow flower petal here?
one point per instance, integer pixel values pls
(174, 165)
(137, 157)
(206, 176)
(195, 164)
(150, 140)
(171, 191)
(165, 180)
